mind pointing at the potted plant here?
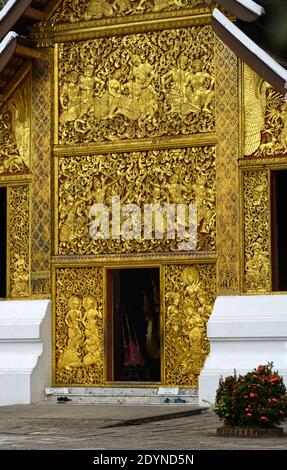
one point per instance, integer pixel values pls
(253, 404)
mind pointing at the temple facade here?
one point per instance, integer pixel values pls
(124, 105)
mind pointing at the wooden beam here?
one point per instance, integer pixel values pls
(16, 81)
(33, 14)
(27, 52)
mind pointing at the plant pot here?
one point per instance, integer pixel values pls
(227, 431)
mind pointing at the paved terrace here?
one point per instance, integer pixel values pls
(99, 427)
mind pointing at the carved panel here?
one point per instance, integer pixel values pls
(41, 164)
(79, 337)
(11, 162)
(189, 296)
(71, 11)
(256, 232)
(163, 177)
(265, 115)
(20, 109)
(136, 86)
(227, 179)
(19, 240)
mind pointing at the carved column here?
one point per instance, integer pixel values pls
(227, 153)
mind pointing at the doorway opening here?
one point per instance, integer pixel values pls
(279, 230)
(3, 242)
(133, 325)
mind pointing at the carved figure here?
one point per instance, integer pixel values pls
(98, 9)
(257, 268)
(279, 120)
(86, 86)
(122, 6)
(140, 87)
(71, 219)
(188, 89)
(204, 198)
(73, 318)
(69, 99)
(160, 5)
(198, 311)
(10, 159)
(203, 87)
(90, 321)
(71, 356)
(20, 285)
(255, 102)
(172, 312)
(175, 84)
(177, 190)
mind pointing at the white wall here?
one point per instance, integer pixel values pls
(25, 350)
(244, 332)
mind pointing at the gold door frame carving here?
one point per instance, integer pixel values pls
(18, 239)
(197, 302)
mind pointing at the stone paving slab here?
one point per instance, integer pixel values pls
(89, 427)
(121, 413)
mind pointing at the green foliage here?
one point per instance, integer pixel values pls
(257, 399)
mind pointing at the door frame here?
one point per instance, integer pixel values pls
(108, 325)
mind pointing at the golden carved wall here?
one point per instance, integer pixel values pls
(190, 292)
(227, 174)
(177, 176)
(265, 114)
(19, 241)
(12, 162)
(78, 317)
(135, 118)
(138, 86)
(71, 11)
(264, 151)
(41, 165)
(256, 231)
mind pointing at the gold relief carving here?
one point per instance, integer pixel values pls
(182, 176)
(265, 116)
(79, 326)
(41, 183)
(227, 179)
(20, 109)
(137, 86)
(71, 11)
(11, 161)
(256, 231)
(19, 241)
(190, 294)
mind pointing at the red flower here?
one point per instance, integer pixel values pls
(263, 418)
(248, 414)
(252, 395)
(260, 368)
(230, 377)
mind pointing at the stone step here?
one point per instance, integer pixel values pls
(123, 395)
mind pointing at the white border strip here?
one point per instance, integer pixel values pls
(251, 45)
(6, 8)
(6, 41)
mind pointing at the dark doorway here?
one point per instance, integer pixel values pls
(3, 241)
(279, 230)
(133, 327)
